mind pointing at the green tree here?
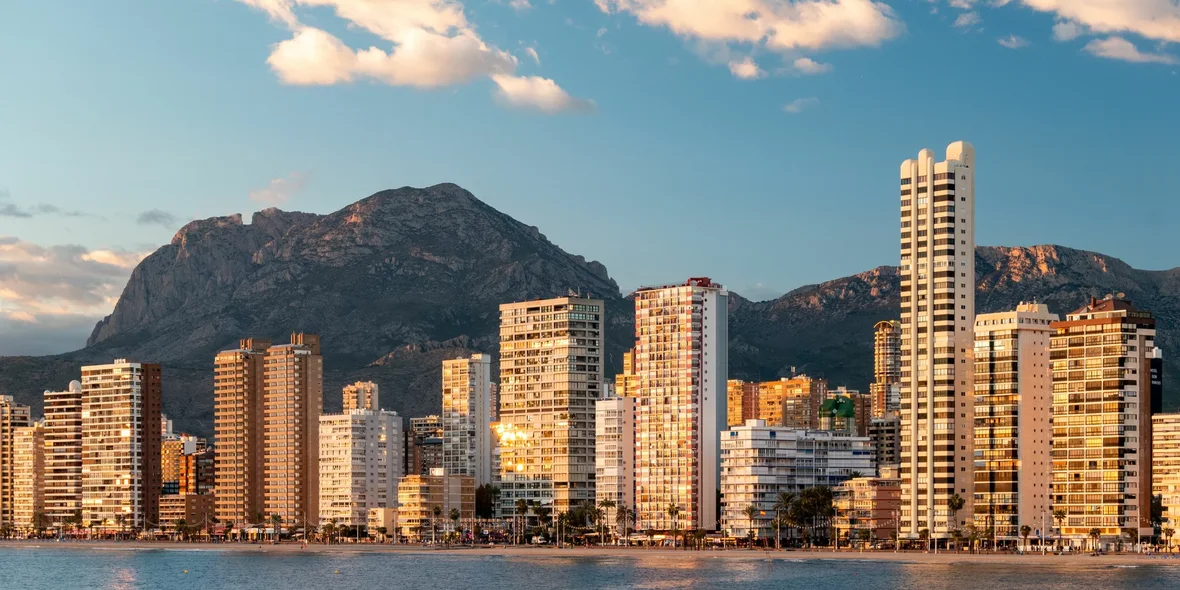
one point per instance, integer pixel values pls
(455, 515)
(522, 511)
(625, 519)
(1095, 535)
(673, 512)
(181, 527)
(485, 500)
(1168, 532)
(544, 517)
(1025, 531)
(751, 512)
(436, 513)
(782, 507)
(608, 506)
(276, 521)
(955, 503)
(1059, 516)
(924, 535)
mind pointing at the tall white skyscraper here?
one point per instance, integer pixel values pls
(467, 417)
(614, 454)
(360, 464)
(681, 365)
(937, 340)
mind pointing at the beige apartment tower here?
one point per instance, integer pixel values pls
(121, 445)
(550, 377)
(937, 275)
(360, 464)
(1013, 421)
(12, 417)
(1165, 464)
(741, 403)
(362, 395)
(237, 419)
(467, 417)
(28, 511)
(292, 401)
(682, 363)
(63, 454)
(1106, 385)
(886, 386)
(625, 380)
(792, 402)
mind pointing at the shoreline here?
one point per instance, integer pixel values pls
(916, 558)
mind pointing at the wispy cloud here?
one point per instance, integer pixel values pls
(968, 20)
(1013, 42)
(1158, 20)
(746, 69)
(532, 52)
(1123, 50)
(537, 93)
(280, 190)
(8, 209)
(808, 66)
(800, 104)
(156, 217)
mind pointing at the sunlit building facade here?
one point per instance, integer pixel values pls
(12, 417)
(292, 401)
(28, 509)
(742, 402)
(360, 463)
(614, 454)
(237, 425)
(467, 417)
(792, 402)
(418, 495)
(886, 387)
(867, 506)
(63, 454)
(362, 395)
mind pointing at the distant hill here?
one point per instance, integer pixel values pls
(405, 278)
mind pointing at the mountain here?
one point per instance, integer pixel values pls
(406, 278)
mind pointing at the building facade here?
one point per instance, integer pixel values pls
(682, 363)
(625, 380)
(614, 454)
(550, 376)
(886, 387)
(362, 395)
(417, 495)
(885, 434)
(63, 454)
(196, 510)
(292, 401)
(467, 417)
(867, 508)
(759, 461)
(237, 425)
(28, 508)
(360, 464)
(1165, 450)
(12, 417)
(121, 445)
(937, 275)
(792, 402)
(1106, 385)
(742, 402)
(1013, 420)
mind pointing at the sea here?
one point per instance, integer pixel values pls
(35, 568)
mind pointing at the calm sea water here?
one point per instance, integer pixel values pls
(50, 567)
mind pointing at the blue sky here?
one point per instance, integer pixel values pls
(755, 141)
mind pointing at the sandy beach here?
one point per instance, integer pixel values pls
(1070, 561)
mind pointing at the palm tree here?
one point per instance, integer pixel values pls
(455, 515)
(121, 520)
(855, 474)
(329, 530)
(1095, 535)
(522, 509)
(1025, 531)
(1168, 532)
(544, 517)
(181, 526)
(277, 521)
(782, 507)
(955, 503)
(1059, 516)
(673, 512)
(436, 512)
(751, 511)
(622, 517)
(924, 535)
(608, 505)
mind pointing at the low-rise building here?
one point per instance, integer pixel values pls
(866, 507)
(195, 509)
(759, 461)
(418, 495)
(382, 519)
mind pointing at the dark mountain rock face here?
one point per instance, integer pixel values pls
(399, 281)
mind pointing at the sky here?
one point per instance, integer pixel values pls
(753, 141)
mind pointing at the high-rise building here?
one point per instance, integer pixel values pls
(885, 434)
(121, 444)
(886, 386)
(424, 445)
(237, 418)
(197, 472)
(418, 495)
(1106, 384)
(792, 402)
(550, 376)
(614, 454)
(361, 395)
(937, 311)
(467, 417)
(292, 401)
(759, 461)
(1165, 462)
(63, 454)
(12, 416)
(682, 363)
(742, 402)
(174, 452)
(28, 509)
(625, 381)
(360, 463)
(1013, 420)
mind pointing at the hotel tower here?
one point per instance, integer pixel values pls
(937, 340)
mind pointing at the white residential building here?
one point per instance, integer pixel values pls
(614, 454)
(681, 365)
(759, 461)
(360, 464)
(467, 417)
(63, 453)
(937, 275)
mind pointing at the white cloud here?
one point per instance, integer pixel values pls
(1121, 49)
(520, 4)
(601, 32)
(806, 65)
(746, 69)
(782, 26)
(431, 44)
(1153, 19)
(1067, 30)
(279, 190)
(47, 289)
(962, 4)
(1013, 42)
(532, 52)
(537, 93)
(968, 20)
(799, 104)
